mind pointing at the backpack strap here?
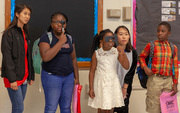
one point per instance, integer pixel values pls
(70, 37)
(172, 49)
(49, 36)
(151, 53)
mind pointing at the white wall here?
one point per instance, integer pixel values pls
(34, 102)
(113, 23)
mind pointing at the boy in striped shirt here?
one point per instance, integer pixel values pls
(160, 76)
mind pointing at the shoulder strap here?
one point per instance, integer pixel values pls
(172, 48)
(151, 53)
(50, 37)
(70, 37)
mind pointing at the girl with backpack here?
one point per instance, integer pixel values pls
(59, 66)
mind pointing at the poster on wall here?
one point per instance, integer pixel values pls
(149, 13)
(168, 11)
(168, 18)
(168, 3)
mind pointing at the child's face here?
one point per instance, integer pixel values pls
(163, 33)
(24, 16)
(123, 36)
(56, 25)
(107, 45)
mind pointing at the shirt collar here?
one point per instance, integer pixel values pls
(163, 41)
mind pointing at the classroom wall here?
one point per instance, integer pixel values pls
(34, 102)
(113, 23)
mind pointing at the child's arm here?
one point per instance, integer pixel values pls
(148, 71)
(75, 66)
(142, 61)
(176, 70)
(130, 74)
(48, 53)
(91, 75)
(123, 58)
(143, 55)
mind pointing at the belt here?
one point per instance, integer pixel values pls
(161, 76)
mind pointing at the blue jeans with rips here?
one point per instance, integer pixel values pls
(17, 98)
(57, 90)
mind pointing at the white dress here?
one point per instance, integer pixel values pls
(107, 89)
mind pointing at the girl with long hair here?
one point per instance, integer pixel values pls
(126, 76)
(17, 68)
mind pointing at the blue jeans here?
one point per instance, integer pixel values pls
(17, 98)
(57, 90)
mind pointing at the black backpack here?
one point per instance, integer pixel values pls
(141, 74)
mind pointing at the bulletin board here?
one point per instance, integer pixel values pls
(148, 14)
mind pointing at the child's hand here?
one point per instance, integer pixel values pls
(174, 89)
(31, 82)
(120, 48)
(14, 85)
(76, 82)
(91, 93)
(63, 38)
(124, 92)
(148, 71)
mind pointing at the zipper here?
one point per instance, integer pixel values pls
(29, 59)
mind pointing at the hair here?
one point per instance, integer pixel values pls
(18, 9)
(128, 45)
(97, 38)
(54, 15)
(166, 24)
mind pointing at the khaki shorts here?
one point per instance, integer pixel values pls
(155, 86)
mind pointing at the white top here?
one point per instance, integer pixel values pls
(121, 71)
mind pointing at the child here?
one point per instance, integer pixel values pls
(17, 62)
(126, 76)
(59, 67)
(105, 90)
(160, 76)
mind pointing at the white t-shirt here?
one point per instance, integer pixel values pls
(121, 71)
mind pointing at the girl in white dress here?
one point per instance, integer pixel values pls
(104, 85)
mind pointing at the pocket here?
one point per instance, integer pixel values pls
(150, 87)
(150, 81)
(149, 101)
